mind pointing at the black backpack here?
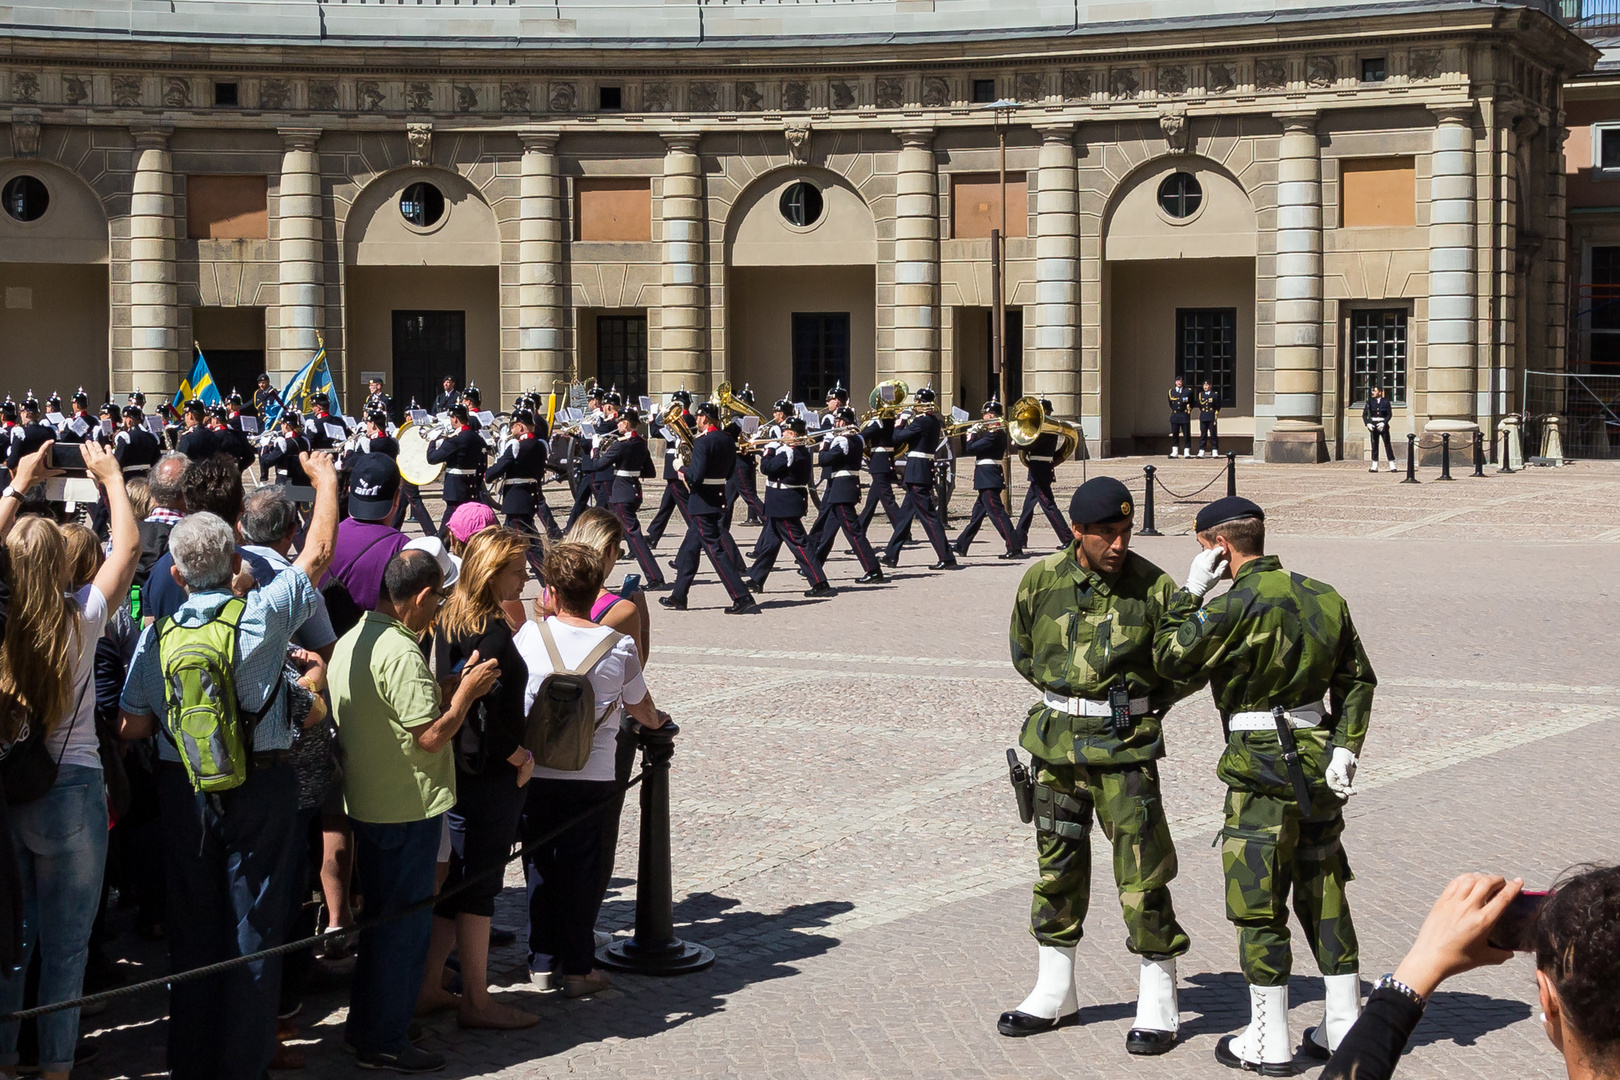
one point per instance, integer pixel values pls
(562, 721)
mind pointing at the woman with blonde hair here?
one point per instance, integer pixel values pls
(492, 768)
(84, 554)
(45, 679)
(600, 531)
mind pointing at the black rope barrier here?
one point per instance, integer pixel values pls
(1217, 478)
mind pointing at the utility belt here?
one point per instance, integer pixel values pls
(1302, 716)
(1052, 811)
(1079, 706)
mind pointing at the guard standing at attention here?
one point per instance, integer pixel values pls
(1082, 634)
(840, 461)
(626, 462)
(1294, 689)
(521, 468)
(376, 400)
(1377, 414)
(1181, 399)
(1040, 465)
(464, 455)
(987, 445)
(674, 497)
(788, 472)
(134, 448)
(198, 442)
(922, 434)
(713, 452)
(447, 398)
(1209, 411)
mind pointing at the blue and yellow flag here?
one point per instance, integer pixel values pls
(199, 384)
(312, 381)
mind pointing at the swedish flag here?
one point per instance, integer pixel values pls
(199, 384)
(312, 381)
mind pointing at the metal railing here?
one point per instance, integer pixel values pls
(1591, 16)
(1587, 407)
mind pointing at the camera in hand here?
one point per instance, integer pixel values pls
(1514, 930)
(69, 457)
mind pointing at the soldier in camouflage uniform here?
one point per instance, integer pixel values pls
(1280, 652)
(1082, 634)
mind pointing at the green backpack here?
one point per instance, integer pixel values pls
(205, 722)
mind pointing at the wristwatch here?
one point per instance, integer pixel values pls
(1390, 982)
(11, 492)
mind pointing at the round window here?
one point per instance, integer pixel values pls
(25, 198)
(422, 205)
(1179, 195)
(801, 204)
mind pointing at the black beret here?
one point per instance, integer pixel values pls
(1102, 500)
(1231, 508)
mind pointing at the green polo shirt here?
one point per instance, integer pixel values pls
(382, 691)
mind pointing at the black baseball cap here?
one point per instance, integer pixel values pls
(1102, 500)
(373, 482)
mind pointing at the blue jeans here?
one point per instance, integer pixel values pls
(228, 885)
(396, 870)
(61, 851)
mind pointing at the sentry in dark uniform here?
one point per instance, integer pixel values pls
(376, 400)
(281, 452)
(1181, 400)
(987, 445)
(464, 455)
(923, 434)
(1040, 464)
(134, 448)
(520, 467)
(674, 488)
(1209, 411)
(713, 454)
(878, 435)
(625, 463)
(447, 399)
(788, 473)
(840, 461)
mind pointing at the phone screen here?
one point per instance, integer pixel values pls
(67, 456)
(631, 586)
(1512, 929)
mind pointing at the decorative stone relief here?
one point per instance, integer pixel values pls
(749, 97)
(1222, 78)
(176, 92)
(795, 95)
(1123, 83)
(323, 94)
(370, 95)
(936, 92)
(562, 97)
(1076, 85)
(1173, 80)
(24, 86)
(514, 97)
(275, 94)
(1030, 86)
(75, 91)
(843, 94)
(126, 90)
(25, 132)
(1425, 64)
(891, 93)
(1177, 134)
(1320, 72)
(420, 138)
(419, 97)
(658, 97)
(466, 97)
(798, 141)
(1271, 74)
(703, 97)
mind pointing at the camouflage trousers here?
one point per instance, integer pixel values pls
(1269, 850)
(1126, 803)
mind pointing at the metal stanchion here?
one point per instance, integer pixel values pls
(1479, 453)
(1445, 455)
(1411, 460)
(1147, 528)
(1231, 473)
(654, 949)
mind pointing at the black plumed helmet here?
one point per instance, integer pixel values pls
(992, 406)
(924, 396)
(709, 409)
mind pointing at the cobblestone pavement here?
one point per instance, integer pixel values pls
(846, 842)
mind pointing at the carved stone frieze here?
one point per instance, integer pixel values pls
(891, 93)
(1076, 85)
(25, 132)
(1030, 85)
(1320, 72)
(795, 95)
(370, 95)
(126, 90)
(177, 92)
(1221, 78)
(1123, 83)
(420, 139)
(323, 94)
(1173, 80)
(843, 93)
(514, 97)
(1271, 73)
(75, 90)
(419, 97)
(750, 97)
(1425, 64)
(798, 141)
(658, 97)
(936, 92)
(562, 97)
(703, 97)
(466, 97)
(275, 94)
(24, 87)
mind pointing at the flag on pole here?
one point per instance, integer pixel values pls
(199, 384)
(312, 381)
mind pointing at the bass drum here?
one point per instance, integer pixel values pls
(413, 451)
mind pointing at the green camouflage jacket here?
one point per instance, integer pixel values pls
(1274, 638)
(1076, 633)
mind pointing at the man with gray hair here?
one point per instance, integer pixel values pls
(168, 507)
(269, 523)
(225, 853)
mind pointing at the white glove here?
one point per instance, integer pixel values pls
(1341, 772)
(1207, 568)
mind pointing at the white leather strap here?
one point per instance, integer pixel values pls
(1305, 716)
(1079, 706)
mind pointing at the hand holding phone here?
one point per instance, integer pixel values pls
(1515, 928)
(69, 457)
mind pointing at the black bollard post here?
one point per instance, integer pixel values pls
(1507, 463)
(1147, 528)
(1479, 453)
(1411, 460)
(1445, 455)
(1231, 473)
(654, 949)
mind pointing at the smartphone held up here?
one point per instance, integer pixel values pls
(1515, 928)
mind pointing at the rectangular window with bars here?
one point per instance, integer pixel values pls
(1206, 351)
(621, 354)
(1377, 354)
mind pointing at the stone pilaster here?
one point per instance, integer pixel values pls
(1056, 373)
(300, 246)
(916, 260)
(155, 354)
(1451, 375)
(682, 353)
(542, 322)
(1296, 435)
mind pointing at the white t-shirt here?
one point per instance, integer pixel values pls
(75, 739)
(616, 679)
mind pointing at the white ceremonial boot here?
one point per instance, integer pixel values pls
(1052, 1003)
(1200, 453)
(1392, 465)
(1340, 1008)
(1264, 1046)
(1373, 467)
(1158, 1016)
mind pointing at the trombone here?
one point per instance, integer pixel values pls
(1029, 422)
(971, 427)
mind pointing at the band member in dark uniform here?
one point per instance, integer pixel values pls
(231, 440)
(315, 426)
(713, 452)
(1040, 463)
(134, 448)
(447, 399)
(1209, 411)
(602, 420)
(376, 400)
(233, 407)
(923, 432)
(878, 434)
(197, 442)
(987, 445)
(265, 397)
(281, 451)
(744, 482)
(674, 489)
(107, 426)
(78, 416)
(376, 440)
(840, 461)
(473, 398)
(520, 467)
(788, 472)
(626, 462)
(1181, 400)
(464, 455)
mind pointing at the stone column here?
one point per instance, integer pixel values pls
(154, 299)
(299, 231)
(916, 261)
(1057, 273)
(1297, 435)
(1451, 375)
(682, 359)
(541, 320)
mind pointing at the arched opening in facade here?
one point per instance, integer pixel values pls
(54, 280)
(421, 254)
(1179, 247)
(801, 255)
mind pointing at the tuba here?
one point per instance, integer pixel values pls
(733, 404)
(888, 400)
(413, 449)
(1029, 422)
(673, 421)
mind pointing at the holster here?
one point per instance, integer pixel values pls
(1023, 785)
(1062, 815)
(1290, 757)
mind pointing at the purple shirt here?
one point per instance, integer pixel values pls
(362, 552)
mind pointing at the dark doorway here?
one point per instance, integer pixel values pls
(428, 345)
(1206, 349)
(820, 354)
(621, 354)
(236, 369)
(1015, 358)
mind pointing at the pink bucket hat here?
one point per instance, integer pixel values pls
(470, 518)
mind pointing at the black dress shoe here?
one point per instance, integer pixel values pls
(1011, 555)
(1015, 1024)
(1224, 1055)
(874, 578)
(745, 606)
(824, 589)
(1309, 1047)
(672, 602)
(892, 564)
(1148, 1042)
(952, 565)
